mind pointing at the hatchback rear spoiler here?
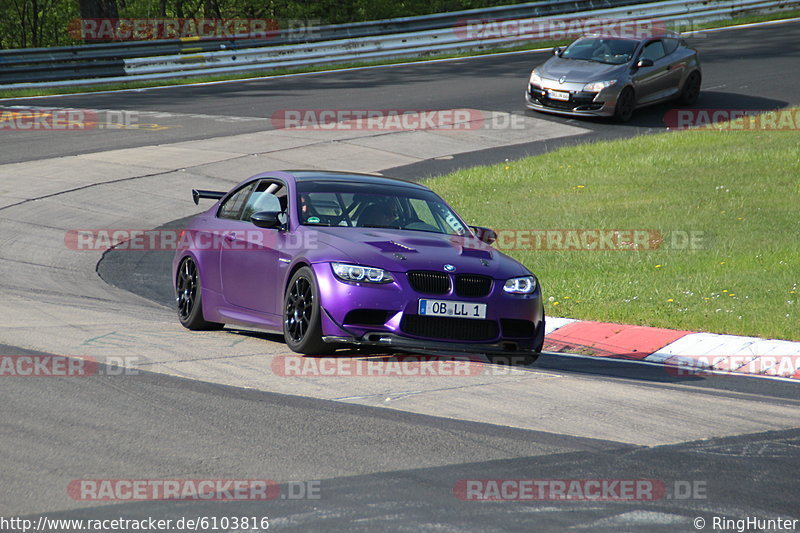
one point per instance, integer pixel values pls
(213, 195)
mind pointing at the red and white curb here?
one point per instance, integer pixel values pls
(683, 353)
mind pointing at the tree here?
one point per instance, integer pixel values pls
(33, 23)
(98, 9)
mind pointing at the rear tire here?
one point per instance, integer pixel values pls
(302, 323)
(626, 104)
(691, 89)
(189, 297)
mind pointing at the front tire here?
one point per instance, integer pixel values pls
(302, 323)
(691, 89)
(189, 297)
(626, 104)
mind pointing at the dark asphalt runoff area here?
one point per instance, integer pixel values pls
(373, 469)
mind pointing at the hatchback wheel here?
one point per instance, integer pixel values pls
(626, 103)
(691, 89)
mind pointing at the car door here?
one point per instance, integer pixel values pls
(651, 82)
(677, 64)
(210, 237)
(250, 260)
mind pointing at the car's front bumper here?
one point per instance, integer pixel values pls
(388, 316)
(579, 104)
(398, 342)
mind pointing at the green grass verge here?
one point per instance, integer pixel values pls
(741, 189)
(23, 93)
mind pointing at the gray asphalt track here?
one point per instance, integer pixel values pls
(376, 470)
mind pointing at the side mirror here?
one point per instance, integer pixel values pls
(484, 234)
(266, 219)
(557, 51)
(644, 63)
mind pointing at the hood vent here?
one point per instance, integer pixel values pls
(473, 252)
(392, 247)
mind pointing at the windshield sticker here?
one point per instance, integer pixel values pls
(453, 222)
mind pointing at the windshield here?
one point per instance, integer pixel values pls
(601, 50)
(367, 205)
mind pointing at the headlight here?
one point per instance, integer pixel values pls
(521, 285)
(359, 274)
(535, 79)
(597, 86)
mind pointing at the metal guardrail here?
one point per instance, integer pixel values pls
(361, 41)
(108, 60)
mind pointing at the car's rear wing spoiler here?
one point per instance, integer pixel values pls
(213, 195)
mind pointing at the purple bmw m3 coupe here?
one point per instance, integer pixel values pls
(332, 259)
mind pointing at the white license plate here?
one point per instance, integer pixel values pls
(452, 308)
(558, 95)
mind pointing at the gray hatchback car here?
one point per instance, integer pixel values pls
(609, 76)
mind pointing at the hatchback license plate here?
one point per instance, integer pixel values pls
(452, 308)
(558, 95)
